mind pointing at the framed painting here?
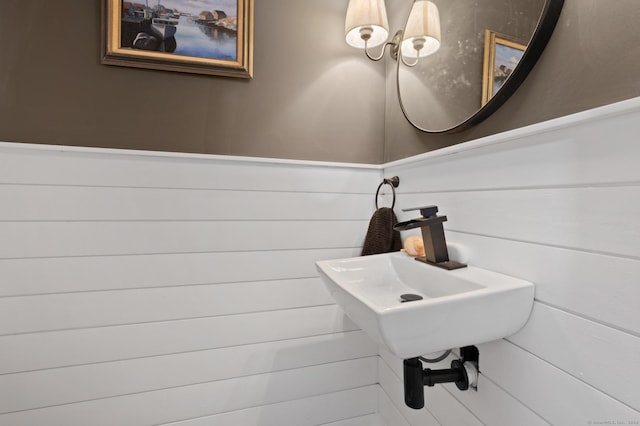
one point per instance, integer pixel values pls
(501, 55)
(194, 36)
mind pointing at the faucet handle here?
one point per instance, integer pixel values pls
(427, 211)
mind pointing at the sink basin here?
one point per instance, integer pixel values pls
(458, 308)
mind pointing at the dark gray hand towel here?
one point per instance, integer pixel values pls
(381, 238)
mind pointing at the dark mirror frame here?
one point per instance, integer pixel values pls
(547, 23)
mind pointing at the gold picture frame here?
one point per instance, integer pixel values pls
(172, 37)
(501, 55)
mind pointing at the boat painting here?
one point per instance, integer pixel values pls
(211, 37)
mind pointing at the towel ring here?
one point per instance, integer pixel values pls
(393, 183)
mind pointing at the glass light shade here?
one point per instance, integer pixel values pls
(422, 34)
(370, 15)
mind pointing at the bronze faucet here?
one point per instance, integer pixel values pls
(435, 244)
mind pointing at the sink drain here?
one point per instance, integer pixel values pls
(409, 297)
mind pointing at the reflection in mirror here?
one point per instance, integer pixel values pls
(486, 49)
(501, 55)
(421, 35)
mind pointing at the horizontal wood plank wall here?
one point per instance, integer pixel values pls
(557, 204)
(149, 289)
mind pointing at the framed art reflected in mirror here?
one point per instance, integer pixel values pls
(501, 55)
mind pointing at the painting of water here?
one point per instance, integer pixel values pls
(204, 36)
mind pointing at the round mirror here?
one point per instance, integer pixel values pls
(486, 49)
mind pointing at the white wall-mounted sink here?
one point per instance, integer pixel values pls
(459, 308)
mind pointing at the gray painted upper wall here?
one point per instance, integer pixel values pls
(312, 97)
(590, 61)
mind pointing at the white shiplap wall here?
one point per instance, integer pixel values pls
(558, 204)
(149, 289)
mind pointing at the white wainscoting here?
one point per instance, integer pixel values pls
(558, 204)
(166, 289)
(146, 289)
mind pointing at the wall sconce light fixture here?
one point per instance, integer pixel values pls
(367, 26)
(422, 33)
